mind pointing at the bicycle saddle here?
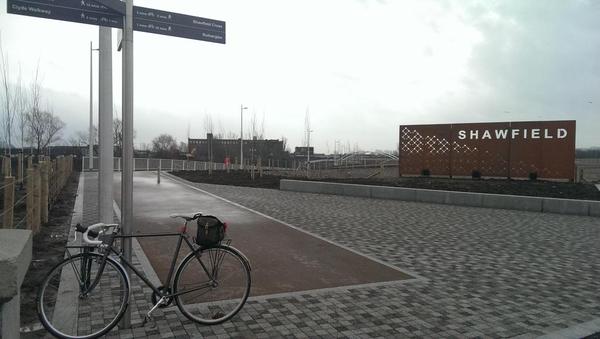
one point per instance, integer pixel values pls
(187, 216)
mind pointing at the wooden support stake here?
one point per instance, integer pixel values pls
(29, 199)
(44, 192)
(9, 200)
(20, 168)
(36, 200)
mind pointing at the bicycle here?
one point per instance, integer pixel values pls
(87, 294)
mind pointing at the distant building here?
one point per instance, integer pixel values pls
(268, 150)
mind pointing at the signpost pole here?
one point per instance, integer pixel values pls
(91, 135)
(105, 126)
(127, 175)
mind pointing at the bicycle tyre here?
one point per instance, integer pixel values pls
(83, 316)
(225, 297)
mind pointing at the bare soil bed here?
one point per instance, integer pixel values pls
(48, 250)
(537, 188)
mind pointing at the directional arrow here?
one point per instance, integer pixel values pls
(86, 12)
(179, 25)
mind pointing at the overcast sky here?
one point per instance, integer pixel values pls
(361, 68)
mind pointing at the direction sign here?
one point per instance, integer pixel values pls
(82, 11)
(178, 25)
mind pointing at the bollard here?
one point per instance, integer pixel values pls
(29, 162)
(9, 200)
(158, 174)
(29, 199)
(37, 199)
(44, 192)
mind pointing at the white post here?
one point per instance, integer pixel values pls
(105, 112)
(147, 164)
(91, 134)
(195, 165)
(172, 165)
(128, 163)
(183, 165)
(242, 108)
(158, 173)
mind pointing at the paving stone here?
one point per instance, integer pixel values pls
(487, 272)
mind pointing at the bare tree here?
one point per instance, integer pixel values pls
(118, 134)
(81, 138)
(8, 117)
(257, 129)
(21, 110)
(44, 128)
(209, 126)
(164, 146)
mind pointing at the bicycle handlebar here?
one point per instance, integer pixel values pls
(90, 231)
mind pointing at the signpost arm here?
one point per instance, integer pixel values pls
(127, 175)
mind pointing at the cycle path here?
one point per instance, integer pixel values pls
(283, 259)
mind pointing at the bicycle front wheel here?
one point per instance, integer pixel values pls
(70, 305)
(212, 285)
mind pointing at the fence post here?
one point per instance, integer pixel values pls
(9, 200)
(29, 200)
(53, 171)
(183, 165)
(195, 165)
(44, 192)
(147, 164)
(20, 168)
(171, 165)
(37, 199)
(6, 167)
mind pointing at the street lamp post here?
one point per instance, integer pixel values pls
(242, 108)
(308, 152)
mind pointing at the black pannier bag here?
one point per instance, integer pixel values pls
(211, 231)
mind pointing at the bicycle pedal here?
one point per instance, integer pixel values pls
(149, 319)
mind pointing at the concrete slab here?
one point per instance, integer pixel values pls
(300, 186)
(15, 256)
(566, 206)
(594, 208)
(331, 188)
(283, 259)
(363, 191)
(432, 196)
(464, 199)
(513, 202)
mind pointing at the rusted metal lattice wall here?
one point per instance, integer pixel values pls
(500, 149)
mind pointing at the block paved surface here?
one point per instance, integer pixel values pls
(489, 273)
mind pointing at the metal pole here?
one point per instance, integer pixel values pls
(90, 136)
(105, 118)
(127, 175)
(241, 136)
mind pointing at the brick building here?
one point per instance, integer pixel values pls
(268, 150)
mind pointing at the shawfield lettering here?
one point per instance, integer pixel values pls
(511, 149)
(513, 133)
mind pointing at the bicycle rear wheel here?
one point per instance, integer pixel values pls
(212, 285)
(68, 304)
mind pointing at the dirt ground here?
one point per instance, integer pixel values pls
(48, 250)
(538, 188)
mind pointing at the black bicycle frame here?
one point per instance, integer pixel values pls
(182, 236)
